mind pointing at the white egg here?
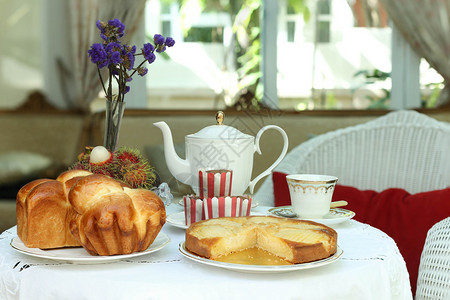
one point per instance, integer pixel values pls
(99, 154)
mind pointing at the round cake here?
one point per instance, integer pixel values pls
(296, 241)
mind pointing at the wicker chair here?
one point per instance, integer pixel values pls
(403, 149)
(434, 270)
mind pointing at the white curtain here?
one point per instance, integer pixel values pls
(79, 80)
(425, 24)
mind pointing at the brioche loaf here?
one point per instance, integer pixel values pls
(91, 210)
(296, 241)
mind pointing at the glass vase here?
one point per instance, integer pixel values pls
(114, 115)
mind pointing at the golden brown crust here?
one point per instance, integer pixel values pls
(94, 211)
(70, 174)
(107, 227)
(201, 247)
(88, 189)
(42, 205)
(153, 214)
(296, 241)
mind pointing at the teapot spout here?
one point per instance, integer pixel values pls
(177, 166)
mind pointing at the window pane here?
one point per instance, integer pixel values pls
(202, 72)
(20, 68)
(332, 54)
(323, 34)
(332, 62)
(166, 31)
(324, 7)
(290, 31)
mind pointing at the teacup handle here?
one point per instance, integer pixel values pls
(257, 149)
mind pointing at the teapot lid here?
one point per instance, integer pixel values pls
(220, 131)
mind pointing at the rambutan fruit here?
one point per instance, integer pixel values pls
(81, 165)
(133, 169)
(126, 165)
(127, 155)
(101, 161)
(100, 155)
(84, 156)
(83, 160)
(136, 177)
(97, 160)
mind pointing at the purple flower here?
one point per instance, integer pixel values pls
(142, 71)
(128, 60)
(158, 39)
(120, 27)
(128, 56)
(103, 64)
(161, 48)
(98, 55)
(116, 58)
(113, 46)
(151, 58)
(129, 49)
(121, 58)
(100, 25)
(169, 42)
(147, 51)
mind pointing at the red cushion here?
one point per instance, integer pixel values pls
(404, 217)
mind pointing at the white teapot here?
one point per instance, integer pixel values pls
(218, 147)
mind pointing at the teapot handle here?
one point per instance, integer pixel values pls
(257, 149)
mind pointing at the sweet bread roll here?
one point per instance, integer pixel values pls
(117, 222)
(91, 210)
(43, 212)
(295, 241)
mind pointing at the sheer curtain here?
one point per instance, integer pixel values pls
(425, 24)
(72, 80)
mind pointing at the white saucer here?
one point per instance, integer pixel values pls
(259, 268)
(177, 219)
(79, 255)
(335, 216)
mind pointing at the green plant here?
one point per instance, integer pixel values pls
(431, 100)
(371, 77)
(374, 76)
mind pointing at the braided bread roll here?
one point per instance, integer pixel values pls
(91, 210)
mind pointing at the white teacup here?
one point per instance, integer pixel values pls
(311, 194)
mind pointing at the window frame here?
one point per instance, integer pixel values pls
(405, 90)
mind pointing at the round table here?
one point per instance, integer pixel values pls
(370, 267)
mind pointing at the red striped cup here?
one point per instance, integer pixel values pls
(229, 206)
(193, 209)
(214, 183)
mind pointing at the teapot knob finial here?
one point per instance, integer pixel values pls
(219, 117)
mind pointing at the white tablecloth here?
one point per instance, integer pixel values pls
(370, 268)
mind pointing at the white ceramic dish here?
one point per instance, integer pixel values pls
(335, 216)
(80, 256)
(178, 219)
(259, 268)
